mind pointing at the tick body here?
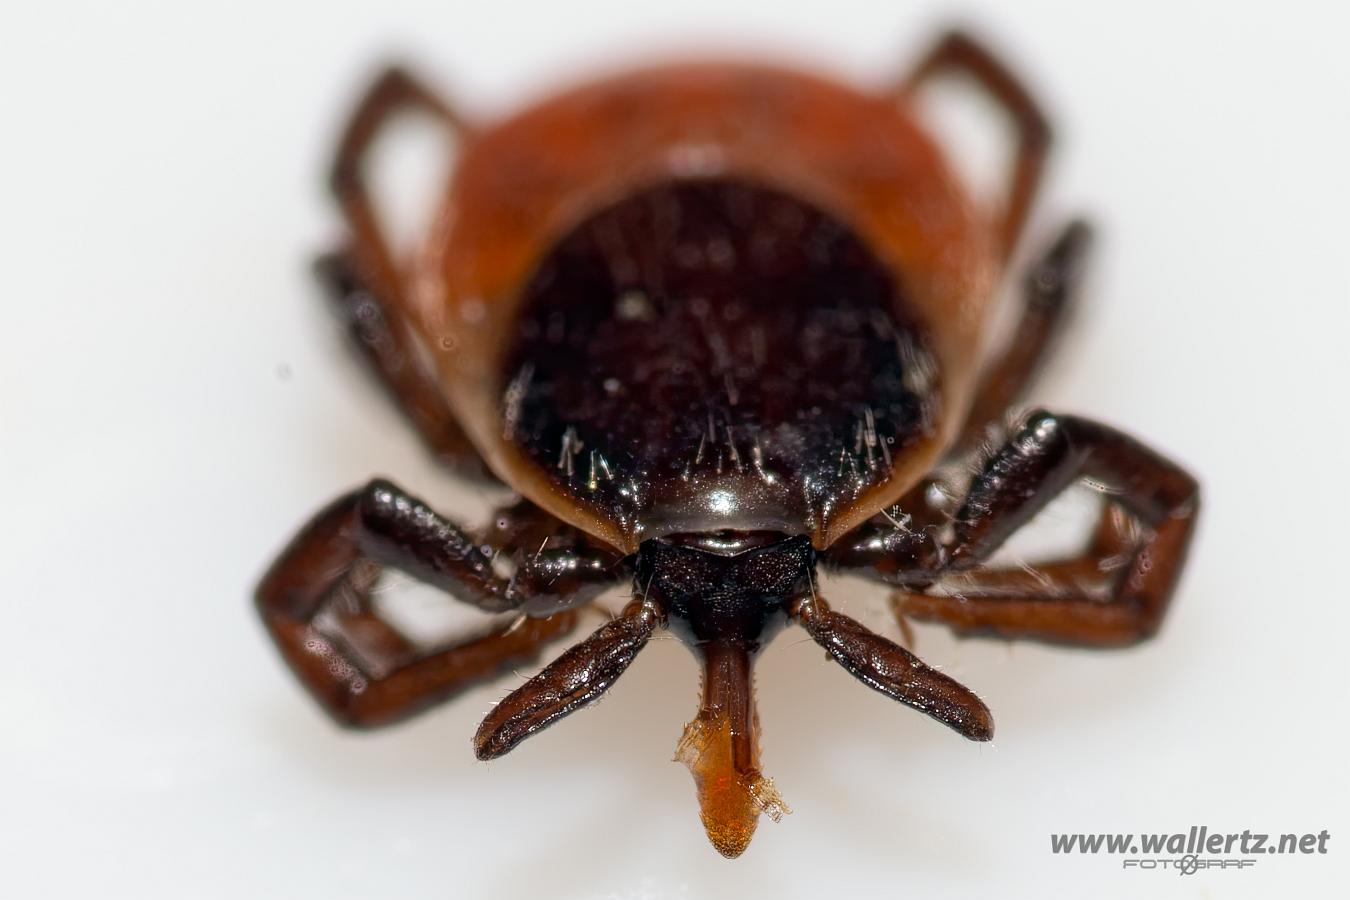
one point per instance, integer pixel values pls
(718, 325)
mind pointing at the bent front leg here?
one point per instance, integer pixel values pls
(1115, 592)
(316, 602)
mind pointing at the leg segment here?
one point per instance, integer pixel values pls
(387, 347)
(1115, 592)
(393, 92)
(901, 542)
(959, 53)
(1049, 292)
(365, 280)
(316, 603)
(1084, 587)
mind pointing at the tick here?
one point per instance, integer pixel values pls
(718, 325)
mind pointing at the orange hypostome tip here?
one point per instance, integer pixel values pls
(726, 804)
(722, 754)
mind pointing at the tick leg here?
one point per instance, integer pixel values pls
(387, 346)
(395, 91)
(1048, 297)
(366, 281)
(1090, 579)
(1115, 592)
(316, 601)
(961, 54)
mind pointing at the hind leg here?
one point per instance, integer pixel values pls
(958, 53)
(366, 281)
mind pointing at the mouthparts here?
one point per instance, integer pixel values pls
(721, 748)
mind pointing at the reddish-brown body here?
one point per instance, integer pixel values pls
(716, 324)
(522, 185)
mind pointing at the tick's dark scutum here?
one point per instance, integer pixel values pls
(709, 354)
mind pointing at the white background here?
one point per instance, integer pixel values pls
(174, 401)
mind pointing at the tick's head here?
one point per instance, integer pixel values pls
(725, 594)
